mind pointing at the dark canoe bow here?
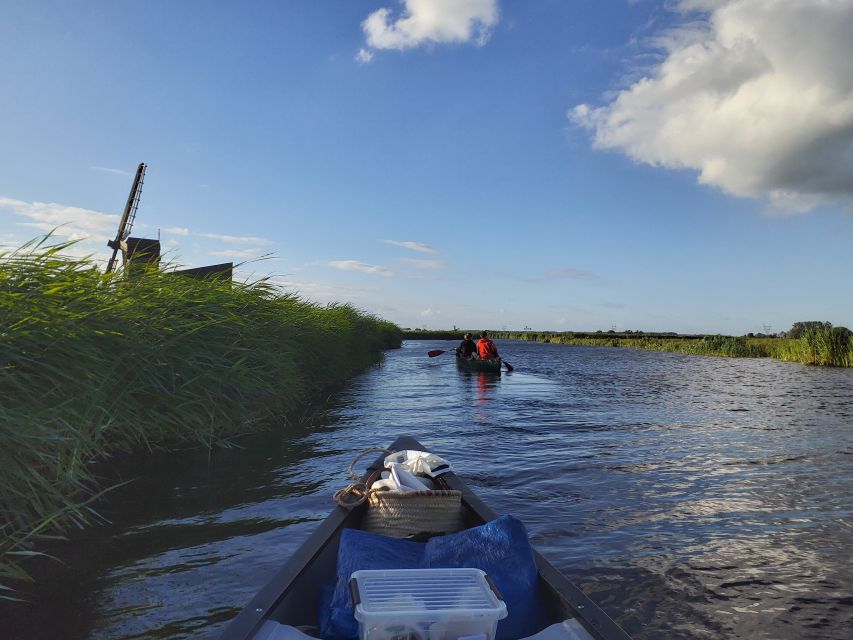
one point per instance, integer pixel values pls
(291, 596)
(483, 366)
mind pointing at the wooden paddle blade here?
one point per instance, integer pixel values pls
(435, 352)
(509, 367)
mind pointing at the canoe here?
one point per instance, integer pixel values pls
(484, 366)
(291, 596)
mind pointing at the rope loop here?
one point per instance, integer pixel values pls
(357, 492)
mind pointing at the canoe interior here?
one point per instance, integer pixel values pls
(298, 606)
(291, 596)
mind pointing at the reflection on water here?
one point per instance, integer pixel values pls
(692, 497)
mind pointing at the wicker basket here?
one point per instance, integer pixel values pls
(401, 515)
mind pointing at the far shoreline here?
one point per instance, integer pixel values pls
(825, 346)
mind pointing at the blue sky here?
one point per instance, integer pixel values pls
(673, 166)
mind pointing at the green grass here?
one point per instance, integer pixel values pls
(91, 365)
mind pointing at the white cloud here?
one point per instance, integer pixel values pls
(757, 96)
(426, 313)
(177, 231)
(364, 56)
(424, 264)
(118, 172)
(414, 246)
(73, 223)
(323, 291)
(236, 239)
(251, 252)
(431, 21)
(355, 265)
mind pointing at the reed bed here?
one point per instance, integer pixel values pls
(821, 346)
(726, 346)
(825, 346)
(91, 365)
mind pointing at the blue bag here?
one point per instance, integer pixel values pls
(500, 548)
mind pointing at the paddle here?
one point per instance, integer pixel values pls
(509, 367)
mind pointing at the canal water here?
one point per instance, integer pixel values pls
(692, 497)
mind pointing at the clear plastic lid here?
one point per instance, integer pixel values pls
(436, 591)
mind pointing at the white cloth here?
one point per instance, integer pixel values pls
(421, 462)
(400, 481)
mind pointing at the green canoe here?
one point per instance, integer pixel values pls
(486, 366)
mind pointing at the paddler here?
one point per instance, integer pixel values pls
(467, 348)
(486, 348)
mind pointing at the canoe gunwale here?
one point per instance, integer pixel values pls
(597, 622)
(264, 603)
(253, 615)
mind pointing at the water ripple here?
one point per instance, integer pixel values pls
(692, 497)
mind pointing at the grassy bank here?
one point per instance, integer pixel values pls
(825, 346)
(91, 366)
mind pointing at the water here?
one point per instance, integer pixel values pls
(691, 497)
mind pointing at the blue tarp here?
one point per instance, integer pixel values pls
(500, 548)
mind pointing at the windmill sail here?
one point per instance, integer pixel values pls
(127, 218)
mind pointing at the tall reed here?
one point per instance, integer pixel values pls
(92, 364)
(826, 346)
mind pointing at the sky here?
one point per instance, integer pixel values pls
(676, 165)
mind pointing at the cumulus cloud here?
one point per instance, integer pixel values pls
(355, 265)
(236, 239)
(177, 231)
(426, 313)
(414, 246)
(74, 223)
(429, 21)
(754, 95)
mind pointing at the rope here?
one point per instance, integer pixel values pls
(357, 492)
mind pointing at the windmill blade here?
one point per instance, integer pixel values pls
(129, 215)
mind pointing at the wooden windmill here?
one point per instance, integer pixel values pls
(144, 250)
(141, 251)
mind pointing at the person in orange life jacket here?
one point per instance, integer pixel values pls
(486, 348)
(467, 348)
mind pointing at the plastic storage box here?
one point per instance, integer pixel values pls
(426, 604)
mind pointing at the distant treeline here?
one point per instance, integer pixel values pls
(92, 364)
(540, 336)
(814, 343)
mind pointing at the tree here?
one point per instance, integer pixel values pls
(799, 329)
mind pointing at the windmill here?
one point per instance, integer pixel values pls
(127, 218)
(146, 251)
